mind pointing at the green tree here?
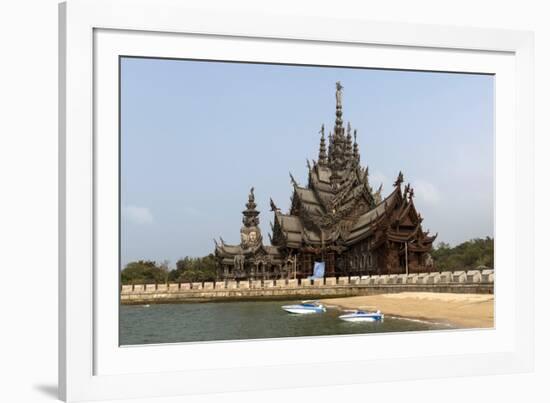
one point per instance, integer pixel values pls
(144, 271)
(189, 269)
(466, 256)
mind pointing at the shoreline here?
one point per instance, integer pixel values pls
(241, 298)
(172, 294)
(456, 310)
(457, 282)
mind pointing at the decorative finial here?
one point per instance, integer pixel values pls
(366, 174)
(273, 206)
(251, 205)
(378, 195)
(411, 193)
(399, 179)
(294, 183)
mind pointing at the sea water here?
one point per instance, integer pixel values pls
(210, 321)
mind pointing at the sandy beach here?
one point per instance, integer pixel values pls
(458, 310)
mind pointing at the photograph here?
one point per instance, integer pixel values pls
(262, 200)
(243, 202)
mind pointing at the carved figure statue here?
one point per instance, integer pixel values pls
(339, 89)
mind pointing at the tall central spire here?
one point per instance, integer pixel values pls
(339, 138)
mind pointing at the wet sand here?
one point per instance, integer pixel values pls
(458, 310)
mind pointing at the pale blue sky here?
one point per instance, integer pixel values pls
(197, 135)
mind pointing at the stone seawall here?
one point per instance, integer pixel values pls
(473, 281)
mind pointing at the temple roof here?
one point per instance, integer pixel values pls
(365, 222)
(296, 234)
(226, 250)
(290, 223)
(337, 207)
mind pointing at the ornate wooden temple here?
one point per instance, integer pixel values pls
(336, 218)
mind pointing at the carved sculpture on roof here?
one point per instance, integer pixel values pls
(339, 89)
(294, 183)
(273, 206)
(378, 195)
(399, 179)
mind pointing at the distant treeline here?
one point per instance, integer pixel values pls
(466, 256)
(188, 269)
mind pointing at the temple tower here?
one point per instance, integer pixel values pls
(250, 231)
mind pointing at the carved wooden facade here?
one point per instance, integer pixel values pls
(337, 218)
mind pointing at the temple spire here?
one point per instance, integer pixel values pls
(330, 147)
(338, 151)
(348, 148)
(356, 155)
(338, 128)
(322, 148)
(250, 215)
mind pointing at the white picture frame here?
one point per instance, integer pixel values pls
(92, 36)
